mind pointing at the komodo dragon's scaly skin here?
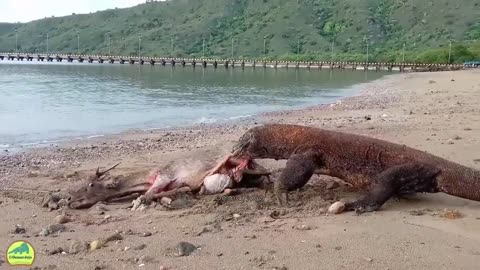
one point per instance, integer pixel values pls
(384, 168)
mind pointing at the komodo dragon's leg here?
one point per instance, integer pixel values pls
(398, 180)
(299, 169)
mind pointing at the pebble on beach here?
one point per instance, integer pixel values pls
(62, 219)
(77, 247)
(19, 229)
(184, 249)
(97, 244)
(51, 229)
(336, 208)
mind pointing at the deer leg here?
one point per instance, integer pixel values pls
(170, 193)
(138, 188)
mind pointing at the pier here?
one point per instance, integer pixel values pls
(226, 63)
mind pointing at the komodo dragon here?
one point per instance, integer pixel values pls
(383, 168)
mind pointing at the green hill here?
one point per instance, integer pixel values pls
(287, 27)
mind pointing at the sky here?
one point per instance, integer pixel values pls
(29, 10)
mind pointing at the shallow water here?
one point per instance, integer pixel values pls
(48, 102)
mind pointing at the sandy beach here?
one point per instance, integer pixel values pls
(435, 112)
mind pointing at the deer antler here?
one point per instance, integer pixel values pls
(99, 174)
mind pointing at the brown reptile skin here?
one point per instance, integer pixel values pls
(361, 160)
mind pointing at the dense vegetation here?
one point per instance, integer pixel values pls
(416, 30)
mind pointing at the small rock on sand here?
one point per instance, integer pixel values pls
(184, 249)
(50, 229)
(62, 219)
(368, 259)
(114, 237)
(77, 247)
(55, 251)
(165, 201)
(19, 229)
(97, 244)
(303, 227)
(206, 229)
(336, 208)
(145, 259)
(140, 247)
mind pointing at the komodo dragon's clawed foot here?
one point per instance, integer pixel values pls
(398, 180)
(361, 206)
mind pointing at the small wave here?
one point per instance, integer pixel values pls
(95, 136)
(239, 116)
(29, 144)
(43, 142)
(156, 128)
(205, 120)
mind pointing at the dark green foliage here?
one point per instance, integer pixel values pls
(425, 27)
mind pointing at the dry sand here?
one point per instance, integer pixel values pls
(436, 112)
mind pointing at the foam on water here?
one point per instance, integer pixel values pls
(205, 120)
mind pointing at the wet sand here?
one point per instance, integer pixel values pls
(435, 112)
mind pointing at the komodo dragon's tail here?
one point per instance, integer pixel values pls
(460, 181)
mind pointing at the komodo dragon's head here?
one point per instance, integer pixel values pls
(266, 141)
(249, 146)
